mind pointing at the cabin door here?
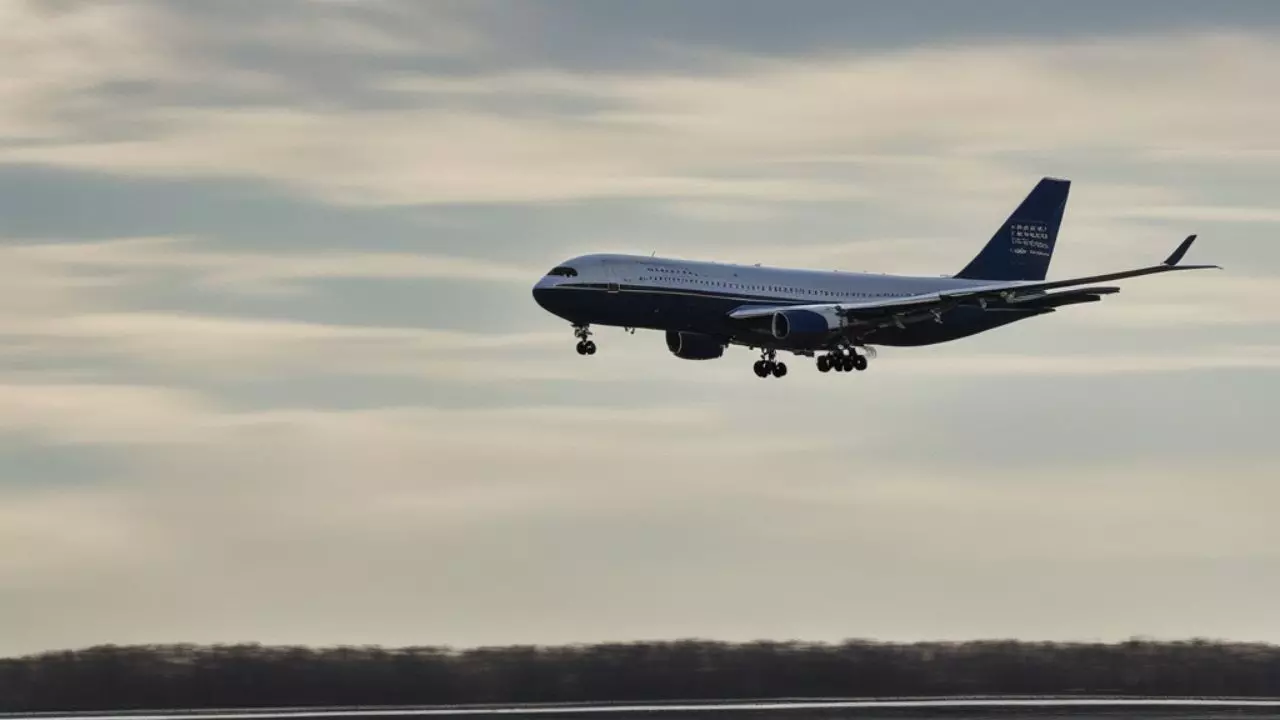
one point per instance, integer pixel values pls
(611, 277)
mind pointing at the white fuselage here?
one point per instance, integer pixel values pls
(744, 283)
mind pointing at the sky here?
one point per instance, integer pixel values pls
(270, 368)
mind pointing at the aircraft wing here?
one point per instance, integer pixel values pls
(1013, 295)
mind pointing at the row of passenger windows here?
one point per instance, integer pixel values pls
(782, 289)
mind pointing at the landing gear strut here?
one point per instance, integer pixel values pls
(843, 359)
(768, 365)
(585, 346)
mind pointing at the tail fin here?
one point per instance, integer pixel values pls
(1023, 246)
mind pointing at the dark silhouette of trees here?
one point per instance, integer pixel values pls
(189, 676)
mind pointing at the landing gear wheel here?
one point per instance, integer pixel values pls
(585, 346)
(767, 365)
(842, 360)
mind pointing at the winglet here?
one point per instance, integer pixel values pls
(1176, 257)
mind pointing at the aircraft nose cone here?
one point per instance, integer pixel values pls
(554, 299)
(542, 296)
(543, 291)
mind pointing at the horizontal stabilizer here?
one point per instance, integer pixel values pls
(1098, 290)
(1075, 296)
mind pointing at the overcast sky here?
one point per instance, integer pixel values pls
(270, 369)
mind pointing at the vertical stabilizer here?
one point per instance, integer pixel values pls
(1023, 246)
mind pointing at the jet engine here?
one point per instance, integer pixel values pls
(803, 327)
(694, 346)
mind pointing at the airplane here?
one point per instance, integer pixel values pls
(704, 307)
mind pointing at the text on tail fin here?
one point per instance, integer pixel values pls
(1023, 246)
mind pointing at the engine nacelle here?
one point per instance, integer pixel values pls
(803, 327)
(693, 346)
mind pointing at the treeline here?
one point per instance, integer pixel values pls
(189, 676)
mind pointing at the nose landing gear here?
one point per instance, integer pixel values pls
(585, 346)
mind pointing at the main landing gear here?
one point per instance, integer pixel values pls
(768, 365)
(585, 346)
(842, 360)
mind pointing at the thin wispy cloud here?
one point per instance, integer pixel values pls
(249, 270)
(663, 135)
(1209, 213)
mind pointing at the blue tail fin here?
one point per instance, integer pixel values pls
(1023, 246)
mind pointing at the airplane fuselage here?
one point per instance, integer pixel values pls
(675, 295)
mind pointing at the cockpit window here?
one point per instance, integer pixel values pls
(564, 271)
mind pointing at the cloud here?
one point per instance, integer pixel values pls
(372, 27)
(94, 530)
(79, 304)
(721, 137)
(235, 346)
(59, 54)
(34, 288)
(106, 414)
(83, 70)
(1215, 214)
(415, 505)
(728, 212)
(1094, 363)
(186, 464)
(409, 158)
(256, 272)
(96, 413)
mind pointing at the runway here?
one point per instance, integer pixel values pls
(911, 709)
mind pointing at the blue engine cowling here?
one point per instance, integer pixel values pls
(693, 346)
(800, 327)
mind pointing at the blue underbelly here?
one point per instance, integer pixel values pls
(708, 314)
